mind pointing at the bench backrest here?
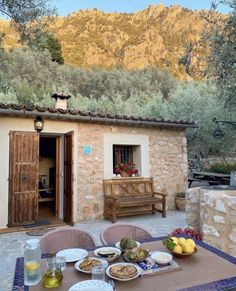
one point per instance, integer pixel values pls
(128, 187)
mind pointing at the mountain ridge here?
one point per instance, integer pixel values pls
(165, 37)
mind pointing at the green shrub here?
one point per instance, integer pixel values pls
(224, 168)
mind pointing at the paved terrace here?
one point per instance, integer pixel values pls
(12, 244)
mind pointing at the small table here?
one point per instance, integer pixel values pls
(210, 177)
(208, 269)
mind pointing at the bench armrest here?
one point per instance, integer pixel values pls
(111, 198)
(159, 193)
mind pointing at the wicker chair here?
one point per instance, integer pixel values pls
(116, 232)
(66, 237)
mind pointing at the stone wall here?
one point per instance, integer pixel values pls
(213, 212)
(168, 164)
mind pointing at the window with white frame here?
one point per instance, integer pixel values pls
(124, 148)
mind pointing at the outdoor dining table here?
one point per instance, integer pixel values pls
(210, 177)
(207, 269)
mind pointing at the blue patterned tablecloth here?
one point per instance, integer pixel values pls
(225, 284)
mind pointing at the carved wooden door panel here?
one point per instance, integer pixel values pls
(68, 177)
(23, 178)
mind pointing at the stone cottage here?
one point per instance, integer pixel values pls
(59, 157)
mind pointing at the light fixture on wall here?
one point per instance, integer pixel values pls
(38, 124)
(218, 132)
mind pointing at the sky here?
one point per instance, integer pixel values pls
(68, 6)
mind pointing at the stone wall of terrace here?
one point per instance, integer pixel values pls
(212, 211)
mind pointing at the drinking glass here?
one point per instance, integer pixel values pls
(61, 262)
(98, 272)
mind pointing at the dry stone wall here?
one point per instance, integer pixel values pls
(213, 212)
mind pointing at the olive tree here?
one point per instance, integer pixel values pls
(31, 18)
(28, 16)
(223, 55)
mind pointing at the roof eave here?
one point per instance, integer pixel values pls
(62, 116)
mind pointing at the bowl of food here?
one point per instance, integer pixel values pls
(183, 255)
(108, 253)
(180, 247)
(127, 243)
(136, 254)
(161, 258)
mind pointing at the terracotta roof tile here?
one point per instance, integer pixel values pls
(21, 109)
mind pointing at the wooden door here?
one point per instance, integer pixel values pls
(68, 177)
(23, 177)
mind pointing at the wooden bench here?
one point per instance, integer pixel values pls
(131, 196)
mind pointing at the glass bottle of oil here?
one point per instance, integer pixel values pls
(53, 277)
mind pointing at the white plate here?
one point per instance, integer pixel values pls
(117, 245)
(103, 262)
(91, 285)
(123, 264)
(117, 252)
(73, 255)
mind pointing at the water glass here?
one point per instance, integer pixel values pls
(61, 262)
(98, 272)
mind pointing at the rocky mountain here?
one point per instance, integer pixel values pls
(166, 37)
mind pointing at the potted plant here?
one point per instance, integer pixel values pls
(126, 169)
(180, 201)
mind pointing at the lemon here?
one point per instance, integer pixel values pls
(31, 266)
(177, 249)
(191, 241)
(181, 241)
(188, 248)
(175, 240)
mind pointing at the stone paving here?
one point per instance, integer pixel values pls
(12, 244)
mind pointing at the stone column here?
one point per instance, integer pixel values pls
(193, 208)
(213, 212)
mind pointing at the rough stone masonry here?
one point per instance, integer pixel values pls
(213, 213)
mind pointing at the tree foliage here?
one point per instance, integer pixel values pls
(29, 16)
(47, 41)
(223, 56)
(29, 76)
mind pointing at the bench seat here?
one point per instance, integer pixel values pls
(131, 196)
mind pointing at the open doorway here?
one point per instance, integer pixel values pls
(40, 178)
(49, 192)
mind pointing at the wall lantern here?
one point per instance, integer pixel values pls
(38, 124)
(218, 132)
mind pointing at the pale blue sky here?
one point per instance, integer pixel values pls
(68, 6)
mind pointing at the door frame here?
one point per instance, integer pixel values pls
(60, 175)
(68, 163)
(57, 168)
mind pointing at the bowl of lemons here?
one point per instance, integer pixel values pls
(180, 247)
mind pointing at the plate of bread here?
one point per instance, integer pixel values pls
(123, 271)
(86, 264)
